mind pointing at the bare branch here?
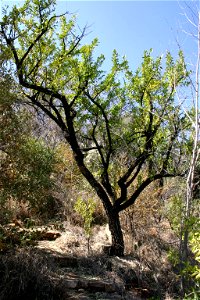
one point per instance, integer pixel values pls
(142, 186)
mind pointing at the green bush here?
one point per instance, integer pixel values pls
(190, 268)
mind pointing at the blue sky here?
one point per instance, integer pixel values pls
(131, 27)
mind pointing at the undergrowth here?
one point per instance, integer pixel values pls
(27, 275)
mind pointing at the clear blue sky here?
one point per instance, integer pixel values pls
(131, 27)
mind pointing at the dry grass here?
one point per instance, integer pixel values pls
(27, 275)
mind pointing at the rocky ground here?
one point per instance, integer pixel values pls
(88, 273)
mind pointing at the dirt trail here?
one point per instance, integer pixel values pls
(92, 275)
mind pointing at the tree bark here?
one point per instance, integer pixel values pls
(117, 247)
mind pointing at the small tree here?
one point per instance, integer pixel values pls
(86, 209)
(101, 115)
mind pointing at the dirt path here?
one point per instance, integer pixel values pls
(92, 275)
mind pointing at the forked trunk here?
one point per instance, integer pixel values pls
(117, 247)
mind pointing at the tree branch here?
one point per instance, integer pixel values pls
(144, 184)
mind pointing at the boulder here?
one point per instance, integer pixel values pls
(50, 235)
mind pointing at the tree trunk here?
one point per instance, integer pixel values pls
(117, 247)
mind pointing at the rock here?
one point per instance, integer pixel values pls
(96, 285)
(10, 225)
(70, 284)
(50, 235)
(81, 290)
(101, 286)
(83, 284)
(105, 296)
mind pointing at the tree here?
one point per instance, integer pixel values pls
(192, 182)
(102, 115)
(190, 219)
